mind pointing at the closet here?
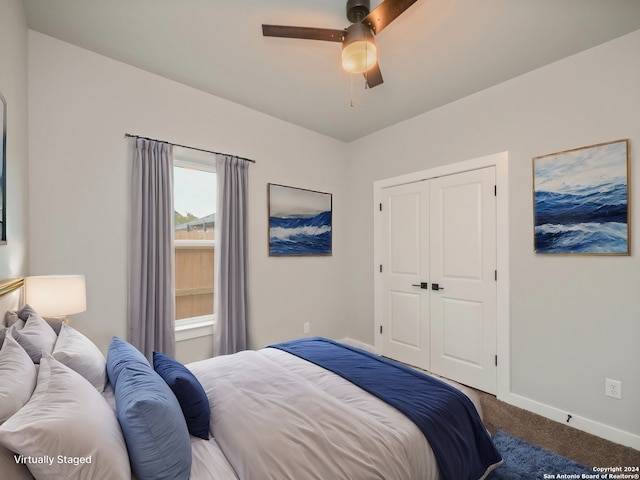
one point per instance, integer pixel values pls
(435, 284)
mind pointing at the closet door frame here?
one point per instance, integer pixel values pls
(500, 161)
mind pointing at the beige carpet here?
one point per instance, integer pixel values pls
(565, 440)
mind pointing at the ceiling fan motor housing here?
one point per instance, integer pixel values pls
(357, 10)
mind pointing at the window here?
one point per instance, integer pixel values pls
(194, 223)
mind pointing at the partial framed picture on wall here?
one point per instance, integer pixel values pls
(300, 221)
(581, 201)
(3, 170)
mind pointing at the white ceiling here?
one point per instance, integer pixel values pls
(436, 52)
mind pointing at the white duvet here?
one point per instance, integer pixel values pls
(275, 416)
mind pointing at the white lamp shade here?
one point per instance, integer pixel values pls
(56, 295)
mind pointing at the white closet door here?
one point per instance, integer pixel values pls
(405, 266)
(437, 293)
(463, 269)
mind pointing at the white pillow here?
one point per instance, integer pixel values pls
(39, 333)
(80, 354)
(34, 352)
(25, 312)
(12, 318)
(19, 317)
(68, 423)
(12, 469)
(17, 378)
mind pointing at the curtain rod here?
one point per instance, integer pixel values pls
(128, 135)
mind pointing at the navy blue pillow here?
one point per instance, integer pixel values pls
(189, 392)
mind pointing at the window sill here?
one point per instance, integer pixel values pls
(195, 327)
(194, 244)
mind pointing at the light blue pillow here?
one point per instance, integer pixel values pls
(150, 416)
(189, 392)
(120, 354)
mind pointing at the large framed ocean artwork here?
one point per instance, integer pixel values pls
(581, 201)
(300, 221)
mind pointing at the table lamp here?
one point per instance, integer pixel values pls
(56, 295)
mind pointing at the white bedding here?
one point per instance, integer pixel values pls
(278, 417)
(209, 462)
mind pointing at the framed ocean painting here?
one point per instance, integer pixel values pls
(3, 170)
(299, 221)
(580, 201)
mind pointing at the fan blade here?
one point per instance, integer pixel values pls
(385, 13)
(307, 33)
(373, 76)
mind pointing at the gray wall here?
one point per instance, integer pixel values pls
(80, 106)
(574, 320)
(13, 86)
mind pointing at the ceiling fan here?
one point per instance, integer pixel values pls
(359, 51)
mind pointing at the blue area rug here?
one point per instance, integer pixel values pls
(523, 461)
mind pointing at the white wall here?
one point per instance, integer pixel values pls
(81, 104)
(574, 320)
(13, 86)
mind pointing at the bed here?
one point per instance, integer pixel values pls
(306, 409)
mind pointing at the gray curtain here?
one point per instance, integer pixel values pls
(231, 254)
(151, 250)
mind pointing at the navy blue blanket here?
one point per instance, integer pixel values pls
(446, 417)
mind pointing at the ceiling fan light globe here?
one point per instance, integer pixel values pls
(359, 56)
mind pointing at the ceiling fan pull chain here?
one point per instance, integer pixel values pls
(351, 102)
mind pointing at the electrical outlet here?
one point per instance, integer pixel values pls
(306, 327)
(613, 388)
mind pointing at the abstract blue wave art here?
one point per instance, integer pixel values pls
(581, 201)
(300, 221)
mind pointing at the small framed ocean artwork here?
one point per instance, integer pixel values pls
(300, 221)
(581, 201)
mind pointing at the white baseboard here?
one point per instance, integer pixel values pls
(598, 429)
(358, 344)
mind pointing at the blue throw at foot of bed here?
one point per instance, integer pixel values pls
(446, 417)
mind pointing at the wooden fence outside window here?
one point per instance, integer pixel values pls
(194, 272)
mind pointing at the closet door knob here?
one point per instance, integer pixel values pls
(435, 286)
(421, 285)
